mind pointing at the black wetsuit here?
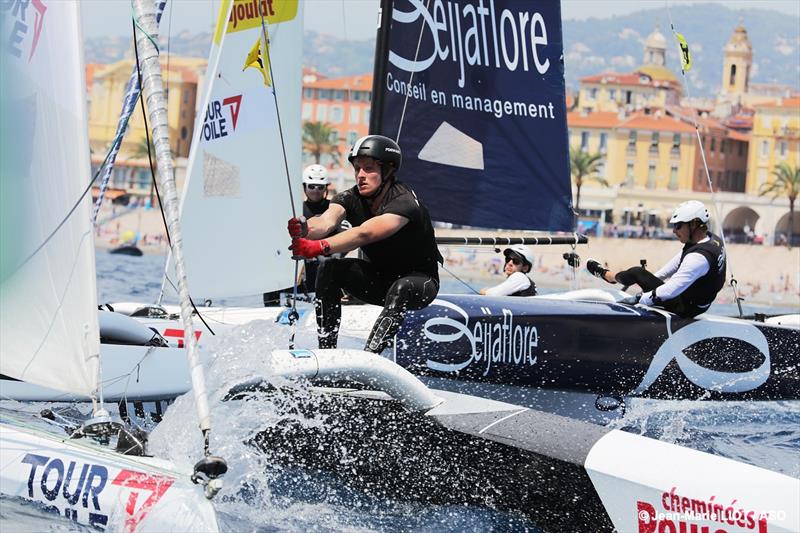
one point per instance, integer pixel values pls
(312, 209)
(400, 273)
(698, 296)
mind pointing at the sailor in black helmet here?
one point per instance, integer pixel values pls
(689, 282)
(393, 230)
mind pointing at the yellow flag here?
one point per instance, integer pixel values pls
(259, 60)
(686, 56)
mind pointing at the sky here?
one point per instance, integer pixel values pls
(357, 19)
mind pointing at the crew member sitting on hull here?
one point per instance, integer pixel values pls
(519, 261)
(689, 282)
(393, 230)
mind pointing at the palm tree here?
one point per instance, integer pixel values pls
(787, 183)
(317, 140)
(583, 166)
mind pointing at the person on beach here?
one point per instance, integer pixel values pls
(689, 282)
(393, 230)
(519, 261)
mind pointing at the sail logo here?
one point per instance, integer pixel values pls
(475, 35)
(215, 123)
(21, 27)
(246, 14)
(74, 490)
(714, 380)
(494, 340)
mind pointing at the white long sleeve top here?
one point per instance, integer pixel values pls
(678, 276)
(513, 283)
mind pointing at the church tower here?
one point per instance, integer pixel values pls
(736, 66)
(655, 49)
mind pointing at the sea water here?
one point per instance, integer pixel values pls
(261, 494)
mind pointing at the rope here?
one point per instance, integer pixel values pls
(411, 76)
(733, 282)
(293, 314)
(153, 175)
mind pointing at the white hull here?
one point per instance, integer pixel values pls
(133, 373)
(96, 487)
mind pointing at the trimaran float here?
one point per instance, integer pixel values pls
(565, 473)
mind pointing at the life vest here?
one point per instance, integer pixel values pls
(702, 292)
(530, 290)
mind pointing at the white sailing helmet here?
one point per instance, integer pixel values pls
(522, 251)
(688, 211)
(315, 175)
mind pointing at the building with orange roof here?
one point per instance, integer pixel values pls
(344, 105)
(182, 77)
(775, 139)
(650, 85)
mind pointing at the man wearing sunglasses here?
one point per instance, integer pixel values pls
(393, 230)
(689, 282)
(519, 261)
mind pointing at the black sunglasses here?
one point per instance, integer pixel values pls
(514, 260)
(678, 225)
(316, 187)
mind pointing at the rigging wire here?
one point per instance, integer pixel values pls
(411, 75)
(135, 25)
(733, 283)
(293, 314)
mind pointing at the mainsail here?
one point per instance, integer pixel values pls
(475, 96)
(48, 305)
(235, 202)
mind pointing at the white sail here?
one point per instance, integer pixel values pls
(48, 306)
(236, 199)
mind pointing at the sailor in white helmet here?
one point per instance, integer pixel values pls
(315, 187)
(689, 282)
(519, 262)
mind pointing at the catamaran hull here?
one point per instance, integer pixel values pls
(98, 488)
(141, 373)
(602, 348)
(566, 475)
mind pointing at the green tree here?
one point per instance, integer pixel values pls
(786, 183)
(139, 150)
(318, 140)
(583, 167)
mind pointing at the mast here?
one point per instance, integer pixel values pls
(382, 35)
(153, 90)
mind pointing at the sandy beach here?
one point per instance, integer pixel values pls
(766, 275)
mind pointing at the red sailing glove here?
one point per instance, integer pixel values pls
(309, 249)
(298, 227)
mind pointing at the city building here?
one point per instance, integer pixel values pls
(343, 104)
(650, 85)
(107, 83)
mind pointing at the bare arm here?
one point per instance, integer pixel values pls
(373, 230)
(323, 225)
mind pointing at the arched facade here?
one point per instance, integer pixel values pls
(741, 224)
(782, 229)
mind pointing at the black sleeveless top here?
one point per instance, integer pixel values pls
(702, 292)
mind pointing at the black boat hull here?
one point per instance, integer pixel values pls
(606, 349)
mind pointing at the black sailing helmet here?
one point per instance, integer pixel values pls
(378, 147)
